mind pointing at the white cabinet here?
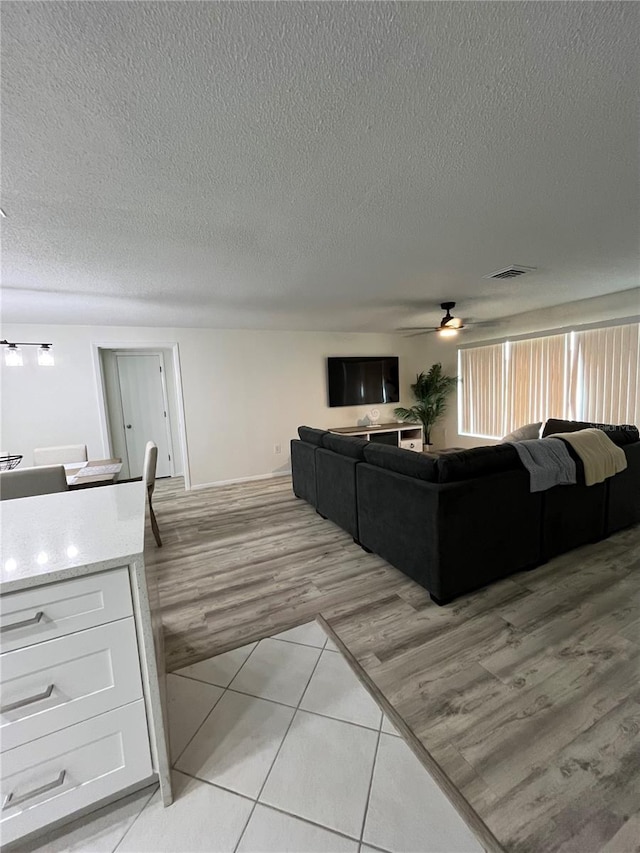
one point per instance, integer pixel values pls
(406, 436)
(54, 776)
(61, 682)
(72, 716)
(52, 610)
(81, 709)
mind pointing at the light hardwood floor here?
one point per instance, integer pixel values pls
(522, 699)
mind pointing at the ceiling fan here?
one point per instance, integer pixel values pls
(449, 325)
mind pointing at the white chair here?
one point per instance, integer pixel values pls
(149, 477)
(26, 482)
(65, 454)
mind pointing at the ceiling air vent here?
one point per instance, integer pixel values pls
(510, 272)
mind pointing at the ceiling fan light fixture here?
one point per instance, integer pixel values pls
(449, 325)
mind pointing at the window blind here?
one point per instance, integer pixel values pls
(481, 400)
(537, 380)
(606, 374)
(591, 375)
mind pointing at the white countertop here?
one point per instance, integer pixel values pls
(53, 537)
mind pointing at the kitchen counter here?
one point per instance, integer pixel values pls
(82, 658)
(49, 538)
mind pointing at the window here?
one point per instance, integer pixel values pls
(590, 375)
(481, 400)
(606, 373)
(537, 380)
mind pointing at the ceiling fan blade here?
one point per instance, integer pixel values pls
(416, 332)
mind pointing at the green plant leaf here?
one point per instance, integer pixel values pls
(431, 390)
(405, 414)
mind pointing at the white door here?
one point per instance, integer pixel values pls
(144, 410)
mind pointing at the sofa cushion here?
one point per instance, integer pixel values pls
(477, 462)
(311, 435)
(524, 433)
(407, 462)
(619, 434)
(346, 446)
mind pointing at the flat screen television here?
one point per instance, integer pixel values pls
(355, 381)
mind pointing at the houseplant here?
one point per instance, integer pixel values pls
(431, 391)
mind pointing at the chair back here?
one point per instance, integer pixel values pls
(26, 482)
(149, 466)
(64, 454)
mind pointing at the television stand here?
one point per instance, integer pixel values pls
(406, 436)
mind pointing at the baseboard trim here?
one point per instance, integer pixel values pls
(199, 486)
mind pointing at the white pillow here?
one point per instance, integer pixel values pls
(524, 433)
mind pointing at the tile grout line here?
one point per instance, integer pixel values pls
(284, 704)
(216, 785)
(275, 809)
(173, 762)
(379, 731)
(311, 822)
(224, 690)
(134, 821)
(274, 637)
(373, 770)
(249, 799)
(374, 847)
(295, 709)
(306, 710)
(295, 642)
(275, 758)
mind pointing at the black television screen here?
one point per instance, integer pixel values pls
(357, 381)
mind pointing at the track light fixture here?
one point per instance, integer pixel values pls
(13, 354)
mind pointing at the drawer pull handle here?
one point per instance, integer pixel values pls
(11, 801)
(12, 706)
(24, 624)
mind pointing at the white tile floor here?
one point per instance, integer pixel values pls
(277, 748)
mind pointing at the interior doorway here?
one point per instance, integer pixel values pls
(142, 401)
(144, 410)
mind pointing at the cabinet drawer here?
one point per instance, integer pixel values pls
(411, 444)
(50, 611)
(57, 775)
(56, 684)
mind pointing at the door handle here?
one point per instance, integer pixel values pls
(12, 800)
(29, 701)
(24, 623)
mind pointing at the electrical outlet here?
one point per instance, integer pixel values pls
(277, 448)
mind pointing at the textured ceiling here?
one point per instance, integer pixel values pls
(315, 165)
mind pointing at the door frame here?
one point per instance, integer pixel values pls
(122, 353)
(151, 347)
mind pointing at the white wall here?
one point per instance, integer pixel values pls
(244, 391)
(615, 306)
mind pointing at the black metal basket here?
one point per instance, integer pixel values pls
(10, 461)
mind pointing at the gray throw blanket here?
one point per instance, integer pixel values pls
(548, 462)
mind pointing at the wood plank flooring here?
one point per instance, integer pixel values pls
(522, 699)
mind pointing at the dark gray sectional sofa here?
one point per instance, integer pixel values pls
(462, 520)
